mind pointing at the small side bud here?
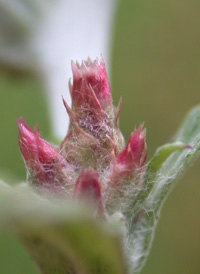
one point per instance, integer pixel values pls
(134, 154)
(88, 189)
(45, 165)
(127, 166)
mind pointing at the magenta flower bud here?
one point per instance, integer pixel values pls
(90, 85)
(93, 130)
(134, 154)
(93, 143)
(44, 163)
(88, 188)
(126, 172)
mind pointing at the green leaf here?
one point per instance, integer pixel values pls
(176, 164)
(162, 153)
(62, 238)
(162, 172)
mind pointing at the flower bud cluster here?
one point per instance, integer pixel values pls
(92, 163)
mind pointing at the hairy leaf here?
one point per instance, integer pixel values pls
(162, 171)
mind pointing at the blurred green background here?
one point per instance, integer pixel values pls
(156, 69)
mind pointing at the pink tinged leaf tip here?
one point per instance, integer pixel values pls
(32, 146)
(43, 161)
(90, 85)
(135, 152)
(88, 188)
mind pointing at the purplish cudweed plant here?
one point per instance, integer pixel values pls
(96, 201)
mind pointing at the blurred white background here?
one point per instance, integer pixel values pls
(50, 34)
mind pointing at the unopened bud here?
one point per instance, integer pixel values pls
(134, 154)
(88, 188)
(45, 165)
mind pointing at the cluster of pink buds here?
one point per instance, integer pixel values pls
(92, 163)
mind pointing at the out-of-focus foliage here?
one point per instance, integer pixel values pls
(61, 237)
(19, 20)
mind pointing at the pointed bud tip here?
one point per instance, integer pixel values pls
(22, 126)
(32, 146)
(135, 152)
(90, 73)
(86, 182)
(88, 189)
